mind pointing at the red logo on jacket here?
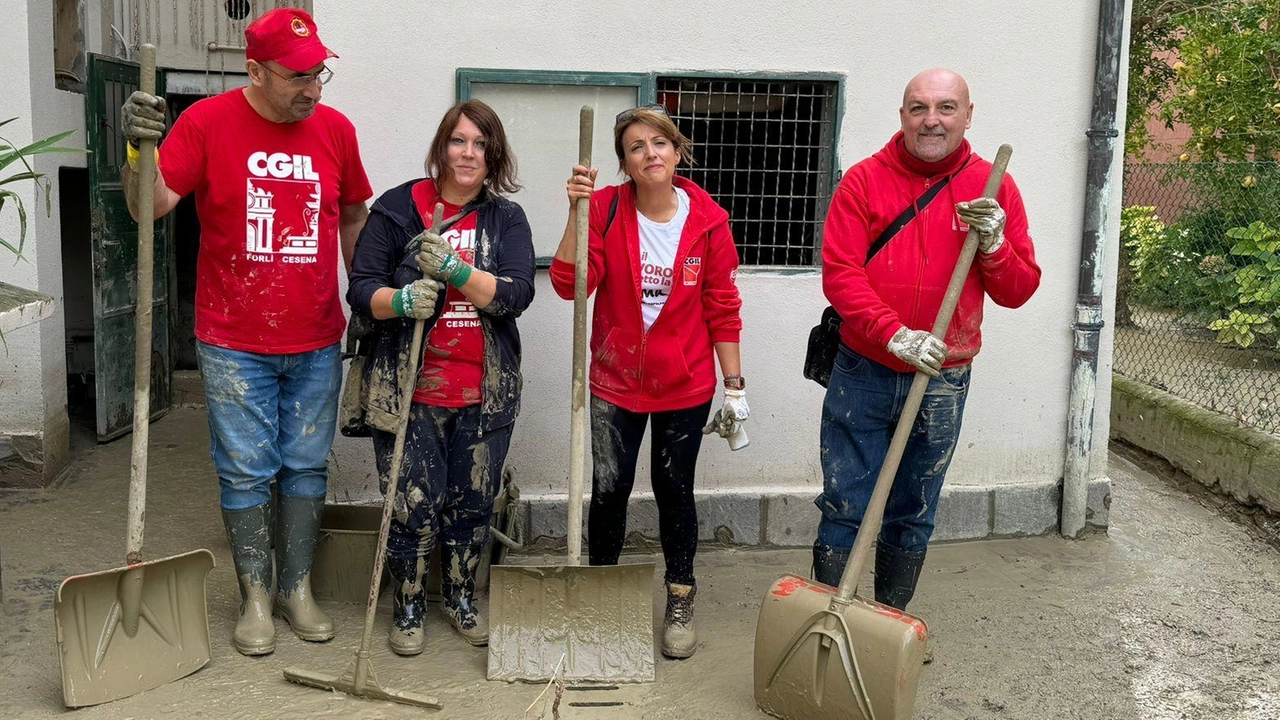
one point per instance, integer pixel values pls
(692, 266)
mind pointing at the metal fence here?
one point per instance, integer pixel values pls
(1198, 293)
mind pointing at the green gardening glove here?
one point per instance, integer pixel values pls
(437, 258)
(416, 300)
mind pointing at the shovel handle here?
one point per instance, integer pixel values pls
(362, 667)
(142, 325)
(578, 398)
(874, 516)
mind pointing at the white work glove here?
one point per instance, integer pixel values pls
(417, 300)
(727, 422)
(987, 217)
(918, 348)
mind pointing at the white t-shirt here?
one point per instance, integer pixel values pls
(658, 244)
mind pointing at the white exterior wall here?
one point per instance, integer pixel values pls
(1030, 69)
(33, 386)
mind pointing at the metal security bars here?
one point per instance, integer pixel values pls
(1198, 292)
(766, 152)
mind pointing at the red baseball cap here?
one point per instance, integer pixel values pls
(287, 36)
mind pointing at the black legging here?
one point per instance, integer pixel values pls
(616, 434)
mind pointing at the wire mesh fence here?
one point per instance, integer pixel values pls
(1198, 293)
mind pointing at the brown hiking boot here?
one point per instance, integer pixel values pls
(679, 639)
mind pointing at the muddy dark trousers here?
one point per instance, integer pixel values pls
(616, 434)
(863, 403)
(449, 477)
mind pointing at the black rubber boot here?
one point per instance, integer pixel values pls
(458, 565)
(297, 526)
(897, 572)
(409, 604)
(249, 532)
(828, 563)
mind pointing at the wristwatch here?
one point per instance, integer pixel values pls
(735, 382)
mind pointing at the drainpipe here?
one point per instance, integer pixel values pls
(1100, 180)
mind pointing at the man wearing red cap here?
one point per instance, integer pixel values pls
(279, 187)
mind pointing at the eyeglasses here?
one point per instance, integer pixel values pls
(630, 113)
(303, 79)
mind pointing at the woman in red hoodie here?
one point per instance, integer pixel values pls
(662, 256)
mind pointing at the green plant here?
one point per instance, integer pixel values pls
(1253, 309)
(9, 154)
(1210, 66)
(1163, 259)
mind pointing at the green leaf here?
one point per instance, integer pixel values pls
(22, 176)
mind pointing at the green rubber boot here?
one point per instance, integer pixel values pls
(297, 526)
(249, 533)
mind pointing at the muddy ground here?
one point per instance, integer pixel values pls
(1173, 614)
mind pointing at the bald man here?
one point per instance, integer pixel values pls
(892, 238)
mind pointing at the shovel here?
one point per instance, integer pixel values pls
(598, 619)
(824, 653)
(359, 679)
(137, 627)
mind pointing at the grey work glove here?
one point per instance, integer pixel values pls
(987, 217)
(417, 300)
(918, 348)
(438, 259)
(142, 117)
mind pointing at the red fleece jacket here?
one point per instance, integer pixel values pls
(905, 282)
(672, 366)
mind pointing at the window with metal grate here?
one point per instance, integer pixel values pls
(766, 153)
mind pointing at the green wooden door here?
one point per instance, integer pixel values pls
(115, 259)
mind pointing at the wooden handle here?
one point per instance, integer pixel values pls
(578, 396)
(874, 515)
(142, 325)
(408, 385)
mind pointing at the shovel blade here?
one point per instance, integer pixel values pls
(819, 660)
(599, 619)
(109, 650)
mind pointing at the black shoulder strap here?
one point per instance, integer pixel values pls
(613, 211)
(908, 214)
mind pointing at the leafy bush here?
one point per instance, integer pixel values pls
(1164, 260)
(1255, 278)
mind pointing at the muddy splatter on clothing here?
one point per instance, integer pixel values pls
(449, 476)
(862, 407)
(616, 434)
(270, 416)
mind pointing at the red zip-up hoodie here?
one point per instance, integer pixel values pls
(672, 365)
(905, 282)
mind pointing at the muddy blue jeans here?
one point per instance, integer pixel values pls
(616, 434)
(270, 416)
(864, 401)
(449, 475)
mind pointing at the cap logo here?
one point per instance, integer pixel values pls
(299, 27)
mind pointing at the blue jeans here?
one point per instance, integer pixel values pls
(270, 416)
(864, 401)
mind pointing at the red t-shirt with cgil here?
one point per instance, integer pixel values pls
(268, 196)
(453, 362)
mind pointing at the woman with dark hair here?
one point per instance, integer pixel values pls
(663, 259)
(469, 280)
